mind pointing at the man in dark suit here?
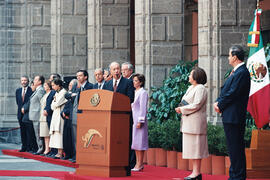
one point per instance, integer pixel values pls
(22, 96)
(99, 78)
(232, 103)
(124, 86)
(127, 70)
(83, 84)
(119, 83)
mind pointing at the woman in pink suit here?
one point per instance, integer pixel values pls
(140, 127)
(194, 123)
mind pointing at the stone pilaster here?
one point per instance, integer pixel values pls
(108, 33)
(68, 36)
(221, 24)
(25, 50)
(158, 38)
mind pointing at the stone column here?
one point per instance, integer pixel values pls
(108, 33)
(221, 24)
(158, 38)
(68, 36)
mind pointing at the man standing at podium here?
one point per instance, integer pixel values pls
(124, 86)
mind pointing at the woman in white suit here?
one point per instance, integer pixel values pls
(194, 123)
(57, 123)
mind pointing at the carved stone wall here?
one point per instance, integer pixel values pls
(108, 33)
(25, 50)
(158, 38)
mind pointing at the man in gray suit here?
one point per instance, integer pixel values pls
(34, 110)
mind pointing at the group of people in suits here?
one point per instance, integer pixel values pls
(231, 104)
(47, 112)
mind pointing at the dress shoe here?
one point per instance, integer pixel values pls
(40, 151)
(199, 177)
(45, 154)
(72, 160)
(129, 173)
(138, 169)
(66, 157)
(57, 156)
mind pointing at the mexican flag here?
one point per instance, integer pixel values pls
(259, 97)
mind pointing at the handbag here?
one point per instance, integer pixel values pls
(183, 103)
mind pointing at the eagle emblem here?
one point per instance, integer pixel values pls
(88, 137)
(257, 71)
(95, 100)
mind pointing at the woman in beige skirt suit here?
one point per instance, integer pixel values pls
(194, 123)
(57, 123)
(43, 125)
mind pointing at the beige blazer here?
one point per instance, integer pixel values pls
(194, 114)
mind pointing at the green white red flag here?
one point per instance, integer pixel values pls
(259, 97)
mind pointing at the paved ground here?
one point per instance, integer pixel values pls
(15, 163)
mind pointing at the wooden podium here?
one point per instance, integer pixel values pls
(103, 133)
(258, 155)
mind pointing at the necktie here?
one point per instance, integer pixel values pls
(23, 94)
(81, 88)
(115, 86)
(231, 72)
(99, 86)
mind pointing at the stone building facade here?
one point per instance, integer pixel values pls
(46, 36)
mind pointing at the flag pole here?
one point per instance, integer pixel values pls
(258, 5)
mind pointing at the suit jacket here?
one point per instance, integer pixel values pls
(194, 114)
(57, 106)
(19, 101)
(139, 107)
(95, 86)
(125, 87)
(34, 110)
(25, 117)
(48, 107)
(87, 86)
(76, 102)
(234, 95)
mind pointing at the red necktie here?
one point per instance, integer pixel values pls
(115, 86)
(231, 72)
(23, 94)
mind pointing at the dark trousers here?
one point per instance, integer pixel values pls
(132, 155)
(23, 135)
(236, 146)
(30, 137)
(67, 139)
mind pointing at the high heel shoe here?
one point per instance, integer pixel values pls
(138, 169)
(58, 156)
(199, 177)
